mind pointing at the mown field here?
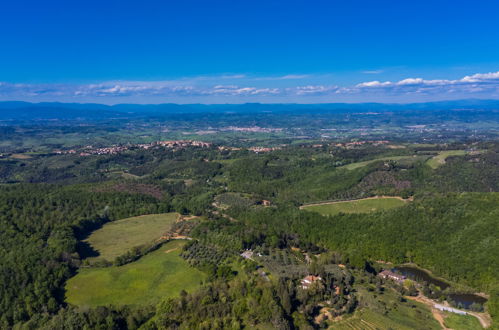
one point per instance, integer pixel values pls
(356, 206)
(439, 159)
(461, 322)
(403, 159)
(117, 237)
(158, 275)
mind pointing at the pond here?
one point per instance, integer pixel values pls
(421, 276)
(465, 300)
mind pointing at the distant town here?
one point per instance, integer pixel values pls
(182, 144)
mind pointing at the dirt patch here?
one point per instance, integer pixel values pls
(440, 318)
(435, 312)
(20, 156)
(484, 318)
(186, 218)
(171, 250)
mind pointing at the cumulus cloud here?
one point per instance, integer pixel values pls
(483, 84)
(312, 90)
(374, 83)
(491, 77)
(468, 85)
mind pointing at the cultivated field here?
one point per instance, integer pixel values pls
(117, 237)
(159, 274)
(364, 205)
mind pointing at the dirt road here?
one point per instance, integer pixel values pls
(483, 318)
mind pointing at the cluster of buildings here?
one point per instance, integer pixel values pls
(263, 149)
(253, 129)
(103, 151)
(308, 280)
(182, 144)
(349, 145)
(387, 274)
(225, 148)
(179, 144)
(170, 144)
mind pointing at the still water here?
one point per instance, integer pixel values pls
(467, 299)
(419, 275)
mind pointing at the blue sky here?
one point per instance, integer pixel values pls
(248, 51)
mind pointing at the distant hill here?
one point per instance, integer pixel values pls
(17, 110)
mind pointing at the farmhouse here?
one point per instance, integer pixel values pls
(307, 281)
(386, 274)
(247, 254)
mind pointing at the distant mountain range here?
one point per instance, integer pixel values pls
(17, 110)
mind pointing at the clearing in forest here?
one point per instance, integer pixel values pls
(365, 205)
(439, 159)
(156, 276)
(386, 311)
(117, 237)
(401, 159)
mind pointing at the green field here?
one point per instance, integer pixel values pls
(356, 206)
(160, 274)
(117, 237)
(403, 319)
(395, 314)
(405, 159)
(461, 322)
(439, 159)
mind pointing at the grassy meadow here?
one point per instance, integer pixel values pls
(365, 205)
(159, 274)
(439, 159)
(117, 237)
(461, 322)
(404, 159)
(406, 315)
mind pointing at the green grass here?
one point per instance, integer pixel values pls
(439, 159)
(356, 206)
(462, 322)
(160, 274)
(117, 237)
(354, 166)
(385, 311)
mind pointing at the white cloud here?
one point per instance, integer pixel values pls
(372, 71)
(476, 83)
(312, 90)
(484, 84)
(374, 83)
(480, 77)
(411, 81)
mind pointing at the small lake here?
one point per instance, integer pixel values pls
(420, 275)
(467, 299)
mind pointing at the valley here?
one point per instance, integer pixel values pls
(254, 234)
